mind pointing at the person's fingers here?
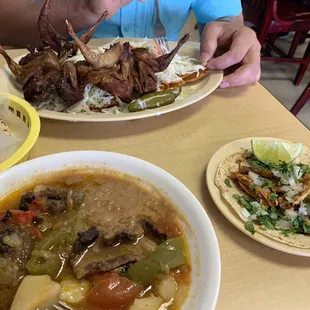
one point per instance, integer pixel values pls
(242, 41)
(209, 42)
(248, 73)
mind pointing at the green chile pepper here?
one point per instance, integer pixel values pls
(154, 100)
(166, 256)
(44, 262)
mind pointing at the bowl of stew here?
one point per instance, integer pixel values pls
(93, 230)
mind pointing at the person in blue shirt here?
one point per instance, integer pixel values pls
(220, 23)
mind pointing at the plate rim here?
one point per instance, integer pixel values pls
(225, 208)
(213, 79)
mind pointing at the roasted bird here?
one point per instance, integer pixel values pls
(47, 69)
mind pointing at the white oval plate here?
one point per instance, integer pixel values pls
(192, 93)
(225, 151)
(203, 245)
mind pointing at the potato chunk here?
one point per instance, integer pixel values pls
(74, 291)
(166, 288)
(36, 292)
(149, 303)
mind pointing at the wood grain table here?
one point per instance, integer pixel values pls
(253, 276)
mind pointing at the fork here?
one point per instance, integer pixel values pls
(159, 31)
(61, 306)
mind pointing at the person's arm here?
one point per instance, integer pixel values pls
(18, 18)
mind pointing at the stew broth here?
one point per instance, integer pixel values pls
(88, 232)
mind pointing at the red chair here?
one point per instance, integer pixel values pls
(271, 17)
(302, 100)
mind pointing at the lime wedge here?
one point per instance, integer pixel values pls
(275, 151)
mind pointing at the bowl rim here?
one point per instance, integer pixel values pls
(75, 156)
(32, 137)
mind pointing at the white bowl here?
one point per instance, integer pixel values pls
(203, 245)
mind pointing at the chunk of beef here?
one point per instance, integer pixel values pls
(58, 200)
(122, 230)
(106, 266)
(85, 239)
(26, 200)
(156, 234)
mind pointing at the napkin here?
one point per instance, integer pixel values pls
(13, 131)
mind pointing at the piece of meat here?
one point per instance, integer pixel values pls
(108, 59)
(48, 34)
(26, 200)
(263, 173)
(41, 85)
(301, 196)
(82, 68)
(122, 230)
(57, 200)
(70, 89)
(156, 234)
(85, 239)
(258, 193)
(46, 60)
(106, 266)
(147, 78)
(165, 60)
(161, 63)
(284, 204)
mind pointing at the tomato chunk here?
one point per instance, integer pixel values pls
(112, 292)
(19, 217)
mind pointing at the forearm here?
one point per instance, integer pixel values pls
(18, 19)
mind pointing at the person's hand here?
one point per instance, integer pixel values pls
(243, 48)
(97, 7)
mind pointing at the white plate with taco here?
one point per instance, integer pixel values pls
(262, 186)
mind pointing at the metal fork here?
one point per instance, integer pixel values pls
(159, 31)
(62, 306)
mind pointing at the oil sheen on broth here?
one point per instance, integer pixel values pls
(95, 241)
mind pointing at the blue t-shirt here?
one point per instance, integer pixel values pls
(136, 19)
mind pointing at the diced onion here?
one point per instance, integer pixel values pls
(297, 172)
(302, 210)
(273, 216)
(291, 214)
(292, 182)
(255, 204)
(276, 173)
(281, 224)
(255, 178)
(253, 217)
(245, 212)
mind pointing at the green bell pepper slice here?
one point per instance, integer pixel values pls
(166, 256)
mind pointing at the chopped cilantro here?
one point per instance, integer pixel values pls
(266, 183)
(266, 221)
(227, 182)
(259, 165)
(252, 187)
(306, 228)
(244, 202)
(249, 226)
(273, 197)
(305, 169)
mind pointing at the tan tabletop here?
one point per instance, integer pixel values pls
(253, 276)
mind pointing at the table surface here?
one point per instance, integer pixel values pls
(253, 275)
